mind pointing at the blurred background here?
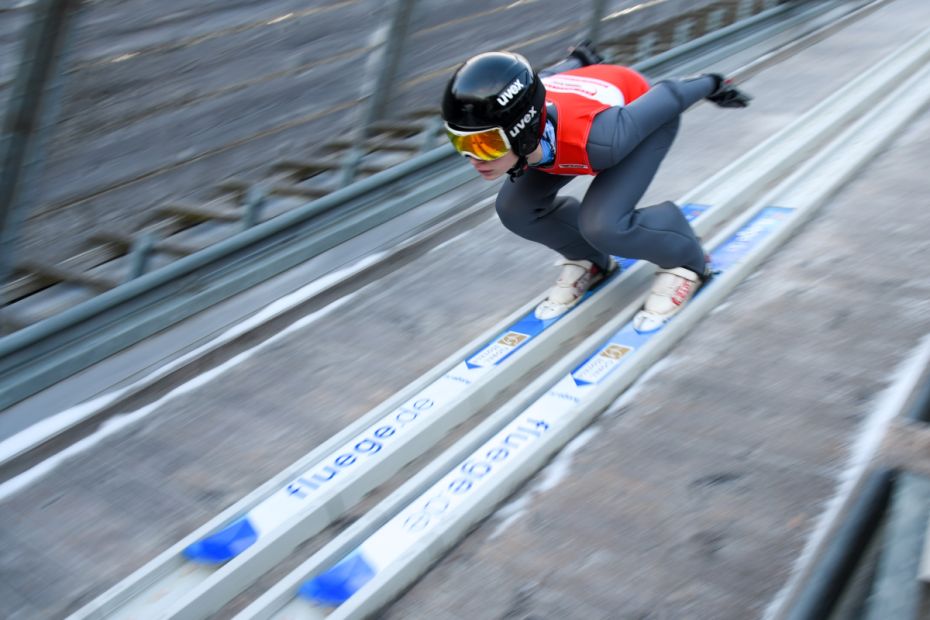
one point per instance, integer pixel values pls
(172, 168)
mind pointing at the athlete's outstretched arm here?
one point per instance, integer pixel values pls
(617, 131)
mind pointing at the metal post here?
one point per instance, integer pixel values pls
(896, 592)
(254, 202)
(831, 574)
(29, 114)
(646, 45)
(391, 52)
(682, 32)
(433, 135)
(744, 9)
(393, 49)
(598, 8)
(351, 161)
(715, 20)
(139, 255)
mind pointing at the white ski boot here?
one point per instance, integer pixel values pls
(576, 278)
(671, 290)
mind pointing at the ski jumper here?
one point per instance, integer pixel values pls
(608, 123)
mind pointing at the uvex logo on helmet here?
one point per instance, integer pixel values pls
(510, 92)
(523, 122)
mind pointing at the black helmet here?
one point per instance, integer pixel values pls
(498, 89)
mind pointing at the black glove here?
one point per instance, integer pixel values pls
(726, 95)
(586, 53)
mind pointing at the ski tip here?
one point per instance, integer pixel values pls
(223, 545)
(547, 312)
(334, 587)
(646, 322)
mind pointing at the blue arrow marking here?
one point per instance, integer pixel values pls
(335, 586)
(223, 545)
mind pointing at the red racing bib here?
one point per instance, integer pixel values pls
(578, 96)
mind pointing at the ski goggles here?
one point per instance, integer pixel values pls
(483, 144)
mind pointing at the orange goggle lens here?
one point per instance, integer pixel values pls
(485, 144)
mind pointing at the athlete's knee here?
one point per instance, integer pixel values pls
(513, 213)
(604, 230)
